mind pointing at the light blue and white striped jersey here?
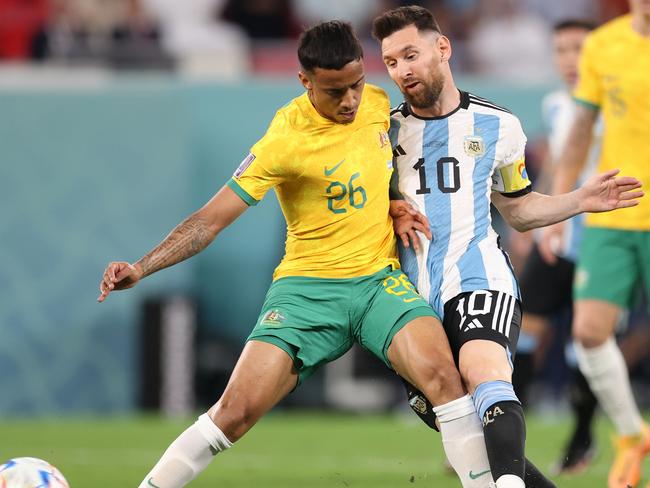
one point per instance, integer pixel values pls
(558, 110)
(446, 167)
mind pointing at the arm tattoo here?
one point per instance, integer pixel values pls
(188, 238)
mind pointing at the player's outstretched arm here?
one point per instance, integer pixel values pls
(601, 193)
(188, 238)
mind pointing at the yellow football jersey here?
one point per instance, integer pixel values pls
(332, 184)
(615, 77)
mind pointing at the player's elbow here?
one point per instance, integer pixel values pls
(520, 212)
(215, 226)
(206, 225)
(520, 224)
(522, 221)
(213, 222)
(513, 214)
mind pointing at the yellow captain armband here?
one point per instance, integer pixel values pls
(512, 180)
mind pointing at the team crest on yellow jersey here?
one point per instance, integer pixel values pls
(383, 139)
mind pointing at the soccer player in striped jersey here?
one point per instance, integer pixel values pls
(454, 154)
(328, 157)
(614, 258)
(546, 281)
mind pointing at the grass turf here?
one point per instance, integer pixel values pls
(289, 449)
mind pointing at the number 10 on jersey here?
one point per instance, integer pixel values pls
(448, 172)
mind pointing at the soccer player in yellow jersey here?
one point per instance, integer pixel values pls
(614, 259)
(328, 156)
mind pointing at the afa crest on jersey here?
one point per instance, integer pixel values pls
(474, 145)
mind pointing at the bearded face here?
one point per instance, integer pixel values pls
(423, 94)
(417, 62)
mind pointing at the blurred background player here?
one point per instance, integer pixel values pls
(614, 258)
(455, 153)
(328, 156)
(546, 287)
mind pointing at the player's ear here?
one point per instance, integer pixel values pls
(444, 47)
(304, 79)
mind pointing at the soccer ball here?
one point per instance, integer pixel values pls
(28, 472)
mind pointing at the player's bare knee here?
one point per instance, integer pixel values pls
(234, 418)
(475, 375)
(440, 382)
(483, 361)
(589, 332)
(476, 372)
(594, 322)
(583, 337)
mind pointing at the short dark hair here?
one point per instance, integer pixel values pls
(329, 45)
(398, 18)
(573, 24)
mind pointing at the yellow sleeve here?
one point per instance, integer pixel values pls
(589, 90)
(262, 169)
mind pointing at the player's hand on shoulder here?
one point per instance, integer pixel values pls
(119, 275)
(607, 191)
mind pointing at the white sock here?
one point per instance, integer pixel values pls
(510, 481)
(462, 439)
(188, 455)
(606, 373)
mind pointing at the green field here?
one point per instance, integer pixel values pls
(284, 450)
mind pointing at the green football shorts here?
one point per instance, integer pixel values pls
(612, 266)
(317, 320)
